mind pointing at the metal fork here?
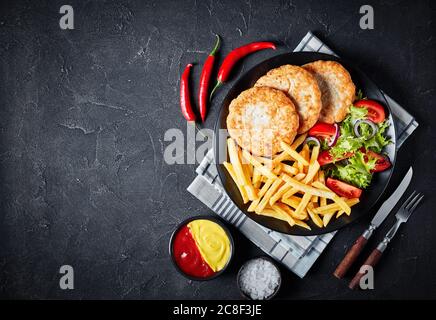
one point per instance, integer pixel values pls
(402, 216)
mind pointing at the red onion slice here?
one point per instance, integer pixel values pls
(312, 139)
(357, 124)
(335, 137)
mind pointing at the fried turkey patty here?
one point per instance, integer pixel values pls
(260, 117)
(301, 87)
(337, 89)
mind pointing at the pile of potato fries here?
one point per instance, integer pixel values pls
(289, 186)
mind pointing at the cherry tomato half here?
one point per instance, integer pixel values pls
(376, 112)
(322, 129)
(343, 189)
(382, 162)
(325, 157)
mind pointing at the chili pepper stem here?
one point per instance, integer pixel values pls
(200, 131)
(217, 85)
(217, 46)
(213, 52)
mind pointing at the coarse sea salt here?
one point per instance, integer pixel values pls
(259, 279)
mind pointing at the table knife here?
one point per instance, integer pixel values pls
(380, 216)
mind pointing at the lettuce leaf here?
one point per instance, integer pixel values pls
(355, 170)
(359, 95)
(348, 142)
(379, 141)
(345, 145)
(356, 113)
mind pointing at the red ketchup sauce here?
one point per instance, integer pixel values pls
(187, 255)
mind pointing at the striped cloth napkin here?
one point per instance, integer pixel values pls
(297, 253)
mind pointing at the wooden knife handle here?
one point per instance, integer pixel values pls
(350, 257)
(372, 260)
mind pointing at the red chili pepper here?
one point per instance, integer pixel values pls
(234, 56)
(185, 99)
(205, 79)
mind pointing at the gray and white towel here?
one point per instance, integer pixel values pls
(297, 253)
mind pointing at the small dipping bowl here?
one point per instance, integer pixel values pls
(180, 228)
(243, 268)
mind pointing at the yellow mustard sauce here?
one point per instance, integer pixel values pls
(212, 242)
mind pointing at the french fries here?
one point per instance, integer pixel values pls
(236, 163)
(261, 193)
(284, 189)
(232, 173)
(248, 172)
(270, 212)
(294, 154)
(257, 164)
(265, 200)
(326, 218)
(282, 210)
(313, 166)
(289, 169)
(289, 186)
(292, 201)
(309, 189)
(315, 218)
(299, 212)
(256, 180)
(335, 206)
(321, 179)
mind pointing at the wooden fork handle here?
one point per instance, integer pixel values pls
(350, 257)
(371, 261)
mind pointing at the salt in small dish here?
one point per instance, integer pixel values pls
(244, 280)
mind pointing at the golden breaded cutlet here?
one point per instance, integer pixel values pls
(301, 87)
(259, 118)
(337, 89)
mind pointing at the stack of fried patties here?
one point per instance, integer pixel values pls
(287, 101)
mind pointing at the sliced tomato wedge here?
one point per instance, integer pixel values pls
(325, 157)
(323, 130)
(382, 162)
(343, 189)
(376, 112)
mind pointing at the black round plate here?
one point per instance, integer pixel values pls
(369, 197)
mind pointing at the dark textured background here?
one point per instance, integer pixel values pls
(82, 119)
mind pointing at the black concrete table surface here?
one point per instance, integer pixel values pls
(83, 118)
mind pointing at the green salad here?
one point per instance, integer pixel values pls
(358, 168)
(353, 148)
